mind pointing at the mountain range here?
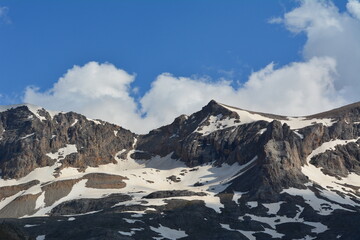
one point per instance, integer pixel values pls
(220, 173)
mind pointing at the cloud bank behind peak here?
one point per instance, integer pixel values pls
(326, 78)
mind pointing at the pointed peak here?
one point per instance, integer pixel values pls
(215, 108)
(213, 102)
(38, 111)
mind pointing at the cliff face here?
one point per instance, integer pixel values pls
(29, 136)
(241, 169)
(222, 134)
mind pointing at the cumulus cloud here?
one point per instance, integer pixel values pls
(294, 89)
(4, 15)
(96, 90)
(103, 91)
(332, 34)
(326, 78)
(353, 7)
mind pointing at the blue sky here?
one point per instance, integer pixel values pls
(212, 44)
(45, 38)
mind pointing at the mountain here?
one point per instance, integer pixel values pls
(220, 173)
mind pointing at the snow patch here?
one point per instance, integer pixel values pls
(98, 122)
(27, 136)
(169, 233)
(40, 237)
(73, 124)
(31, 225)
(32, 108)
(273, 207)
(131, 220)
(301, 122)
(273, 221)
(237, 196)
(252, 204)
(321, 206)
(40, 201)
(261, 131)
(132, 231)
(299, 134)
(218, 122)
(63, 152)
(126, 233)
(248, 234)
(330, 183)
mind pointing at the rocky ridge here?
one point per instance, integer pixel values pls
(242, 174)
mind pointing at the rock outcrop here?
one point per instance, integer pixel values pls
(27, 137)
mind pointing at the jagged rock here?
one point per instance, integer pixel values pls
(102, 180)
(173, 178)
(26, 139)
(57, 190)
(8, 191)
(341, 161)
(20, 206)
(174, 193)
(80, 206)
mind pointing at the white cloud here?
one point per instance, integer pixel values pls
(333, 34)
(170, 96)
(96, 90)
(103, 91)
(312, 16)
(326, 78)
(4, 15)
(275, 20)
(353, 6)
(295, 89)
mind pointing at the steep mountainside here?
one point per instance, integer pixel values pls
(220, 173)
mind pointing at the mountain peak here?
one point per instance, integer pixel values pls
(212, 102)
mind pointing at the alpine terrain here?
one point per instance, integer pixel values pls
(220, 173)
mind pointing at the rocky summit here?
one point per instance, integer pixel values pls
(220, 173)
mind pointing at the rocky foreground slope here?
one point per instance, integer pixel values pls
(220, 173)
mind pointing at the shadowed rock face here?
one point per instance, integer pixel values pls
(281, 151)
(80, 206)
(10, 231)
(341, 161)
(174, 193)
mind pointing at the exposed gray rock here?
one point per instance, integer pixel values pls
(57, 190)
(80, 206)
(277, 152)
(102, 180)
(26, 139)
(8, 191)
(341, 161)
(174, 193)
(20, 206)
(9, 231)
